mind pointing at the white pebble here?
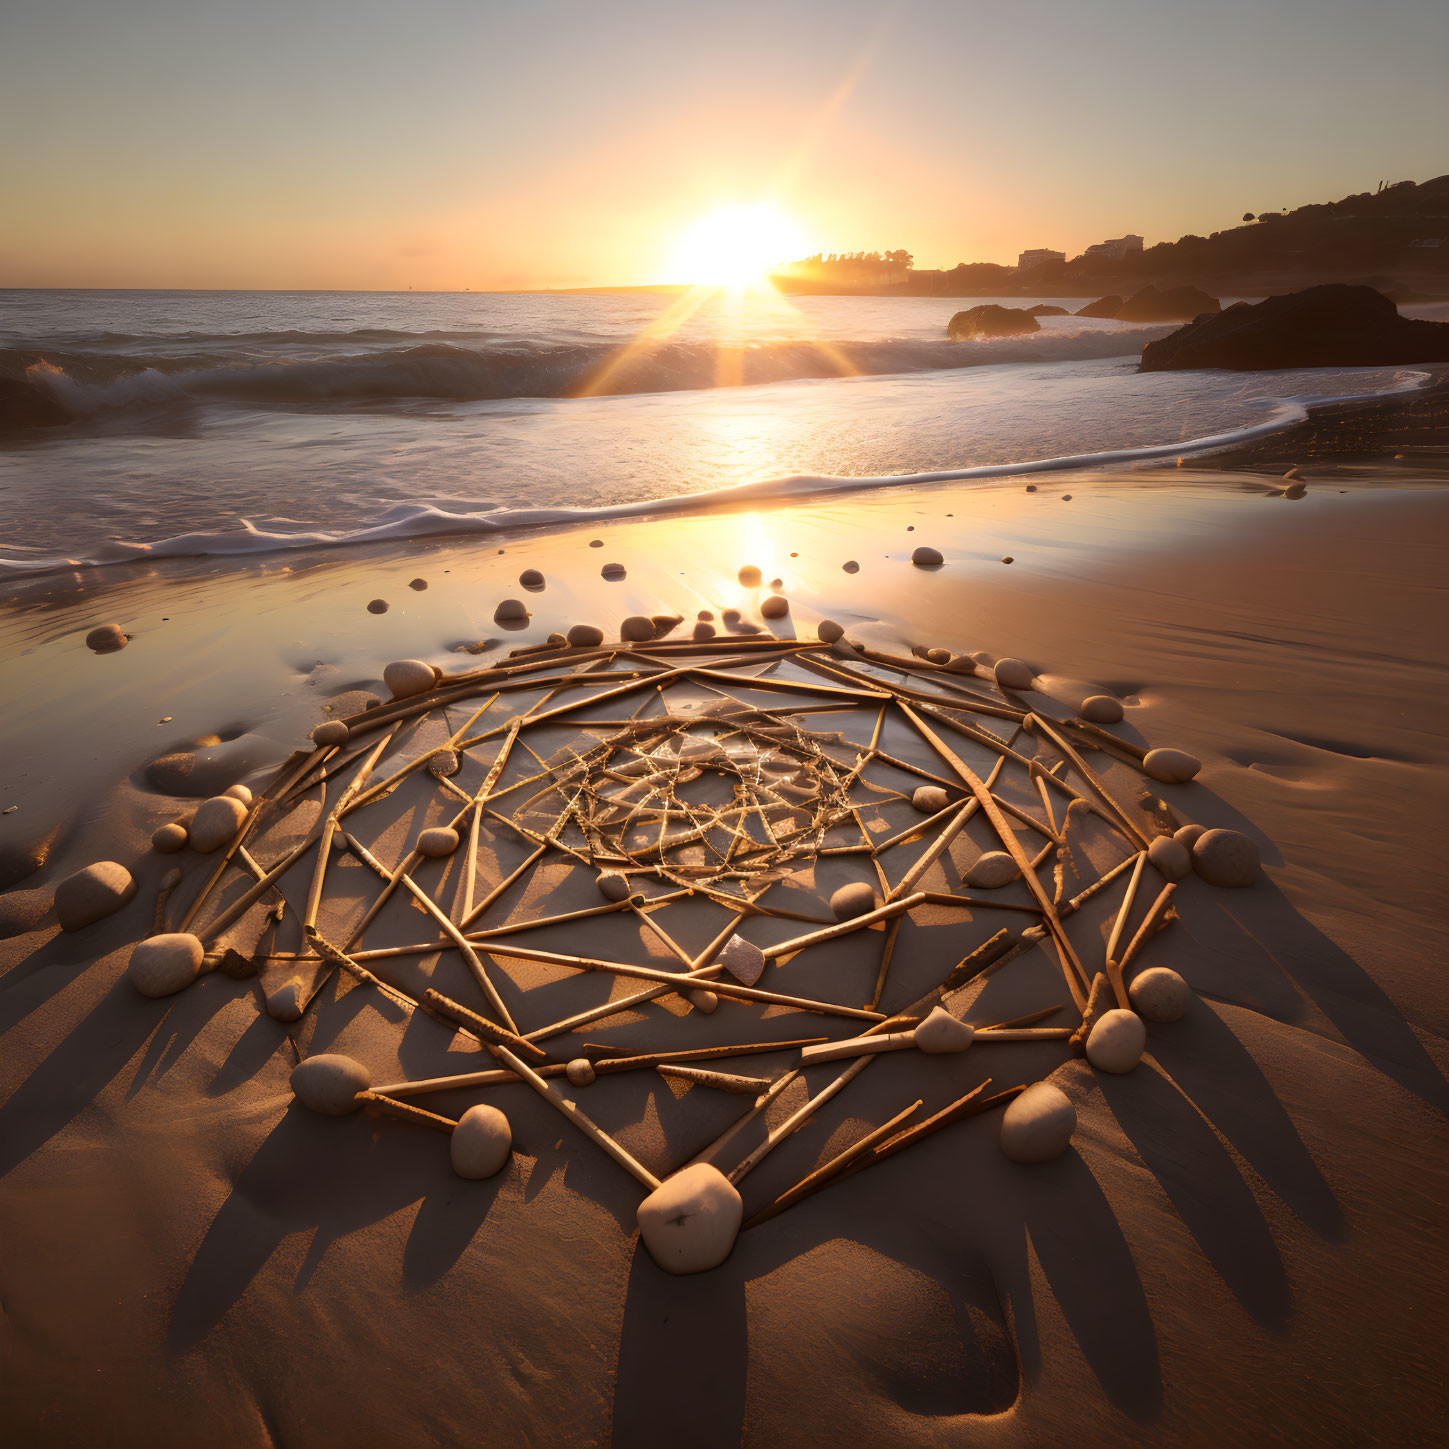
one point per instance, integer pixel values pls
(1117, 1041)
(1225, 858)
(1158, 994)
(438, 841)
(161, 965)
(1172, 767)
(329, 1084)
(705, 1001)
(929, 799)
(239, 792)
(991, 871)
(1038, 1125)
(407, 677)
(1171, 857)
(1102, 709)
(580, 1072)
(216, 824)
(940, 1032)
(690, 1221)
(1014, 674)
(481, 1142)
(926, 557)
(852, 900)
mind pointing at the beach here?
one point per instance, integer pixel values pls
(1241, 1246)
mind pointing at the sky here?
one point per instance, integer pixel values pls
(444, 144)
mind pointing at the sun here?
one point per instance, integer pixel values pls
(737, 246)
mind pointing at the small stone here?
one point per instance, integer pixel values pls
(580, 1072)
(1188, 834)
(930, 799)
(750, 576)
(703, 631)
(637, 628)
(1117, 1041)
(828, 631)
(169, 839)
(531, 579)
(850, 566)
(286, 1002)
(991, 871)
(1038, 1125)
(926, 557)
(1007, 558)
(613, 571)
(1159, 994)
(216, 824)
(777, 583)
(407, 677)
(1225, 858)
(481, 1142)
(853, 900)
(665, 623)
(593, 543)
(508, 610)
(330, 732)
(690, 1221)
(377, 606)
(705, 1001)
(1014, 674)
(1296, 490)
(1031, 487)
(239, 792)
(162, 965)
(940, 1032)
(438, 841)
(585, 636)
(706, 615)
(1101, 709)
(444, 764)
(1172, 767)
(329, 1083)
(556, 641)
(775, 606)
(731, 617)
(418, 584)
(742, 959)
(938, 656)
(1171, 857)
(1066, 497)
(613, 886)
(107, 638)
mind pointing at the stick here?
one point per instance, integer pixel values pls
(1035, 721)
(446, 1006)
(1114, 972)
(829, 933)
(1149, 925)
(892, 931)
(379, 1102)
(721, 1081)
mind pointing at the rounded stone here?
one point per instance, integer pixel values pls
(776, 606)
(444, 764)
(1101, 709)
(742, 959)
(613, 571)
(531, 579)
(481, 1142)
(377, 606)
(1038, 1125)
(1171, 857)
(509, 609)
(331, 732)
(705, 1001)
(163, 965)
(930, 799)
(940, 1032)
(580, 1072)
(613, 886)
(585, 636)
(637, 628)
(418, 584)
(1159, 994)
(750, 576)
(1116, 1043)
(703, 631)
(690, 1221)
(1172, 767)
(438, 841)
(852, 900)
(329, 1083)
(169, 838)
(1225, 858)
(1006, 558)
(217, 822)
(107, 638)
(593, 543)
(1014, 674)
(850, 566)
(92, 893)
(407, 677)
(991, 871)
(1189, 834)
(828, 631)
(239, 792)
(925, 557)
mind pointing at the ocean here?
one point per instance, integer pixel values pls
(241, 422)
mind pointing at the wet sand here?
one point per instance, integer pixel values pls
(1246, 1237)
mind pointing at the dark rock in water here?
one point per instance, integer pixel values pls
(1047, 311)
(26, 404)
(1176, 304)
(1329, 326)
(1102, 307)
(989, 320)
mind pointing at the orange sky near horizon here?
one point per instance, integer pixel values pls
(188, 143)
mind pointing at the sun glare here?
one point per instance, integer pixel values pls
(737, 246)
